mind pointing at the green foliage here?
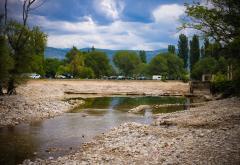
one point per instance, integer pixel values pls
(27, 47)
(168, 65)
(175, 67)
(126, 61)
(204, 66)
(99, 63)
(141, 70)
(51, 66)
(183, 49)
(194, 51)
(226, 87)
(86, 72)
(37, 64)
(171, 49)
(142, 55)
(221, 21)
(6, 63)
(74, 62)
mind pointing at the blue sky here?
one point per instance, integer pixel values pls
(111, 24)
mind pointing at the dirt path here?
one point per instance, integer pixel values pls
(204, 135)
(40, 99)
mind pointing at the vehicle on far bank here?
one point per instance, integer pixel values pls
(130, 78)
(64, 76)
(157, 77)
(68, 75)
(141, 78)
(34, 76)
(121, 78)
(112, 78)
(60, 76)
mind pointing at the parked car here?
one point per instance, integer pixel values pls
(112, 78)
(121, 78)
(34, 75)
(141, 78)
(130, 78)
(60, 76)
(104, 78)
(68, 75)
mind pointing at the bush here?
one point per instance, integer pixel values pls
(226, 87)
(186, 78)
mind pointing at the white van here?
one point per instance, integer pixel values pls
(157, 77)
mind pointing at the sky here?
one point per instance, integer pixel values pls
(109, 24)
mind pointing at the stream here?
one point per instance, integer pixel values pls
(64, 134)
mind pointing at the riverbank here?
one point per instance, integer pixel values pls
(203, 135)
(41, 99)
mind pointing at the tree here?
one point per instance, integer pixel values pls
(99, 63)
(204, 66)
(93, 49)
(175, 67)
(171, 49)
(168, 65)
(194, 51)
(141, 70)
(142, 55)
(6, 63)
(158, 65)
(221, 21)
(27, 51)
(21, 40)
(51, 66)
(75, 61)
(183, 49)
(206, 48)
(126, 61)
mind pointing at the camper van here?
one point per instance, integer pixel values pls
(157, 77)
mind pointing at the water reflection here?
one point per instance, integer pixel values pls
(60, 135)
(97, 105)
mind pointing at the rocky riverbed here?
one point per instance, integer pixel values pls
(203, 135)
(40, 99)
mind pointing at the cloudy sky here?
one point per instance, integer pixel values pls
(111, 24)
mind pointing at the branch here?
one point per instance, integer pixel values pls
(5, 13)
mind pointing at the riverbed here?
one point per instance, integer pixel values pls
(64, 134)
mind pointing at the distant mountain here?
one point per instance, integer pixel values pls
(60, 53)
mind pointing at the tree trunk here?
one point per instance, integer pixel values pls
(1, 89)
(11, 87)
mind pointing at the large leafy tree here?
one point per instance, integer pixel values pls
(51, 65)
(25, 44)
(220, 21)
(175, 66)
(6, 62)
(99, 63)
(168, 65)
(158, 65)
(205, 66)
(126, 61)
(194, 51)
(183, 49)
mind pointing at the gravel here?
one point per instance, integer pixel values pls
(204, 135)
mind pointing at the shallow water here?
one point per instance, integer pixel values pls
(64, 134)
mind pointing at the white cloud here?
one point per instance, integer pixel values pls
(110, 8)
(168, 13)
(118, 34)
